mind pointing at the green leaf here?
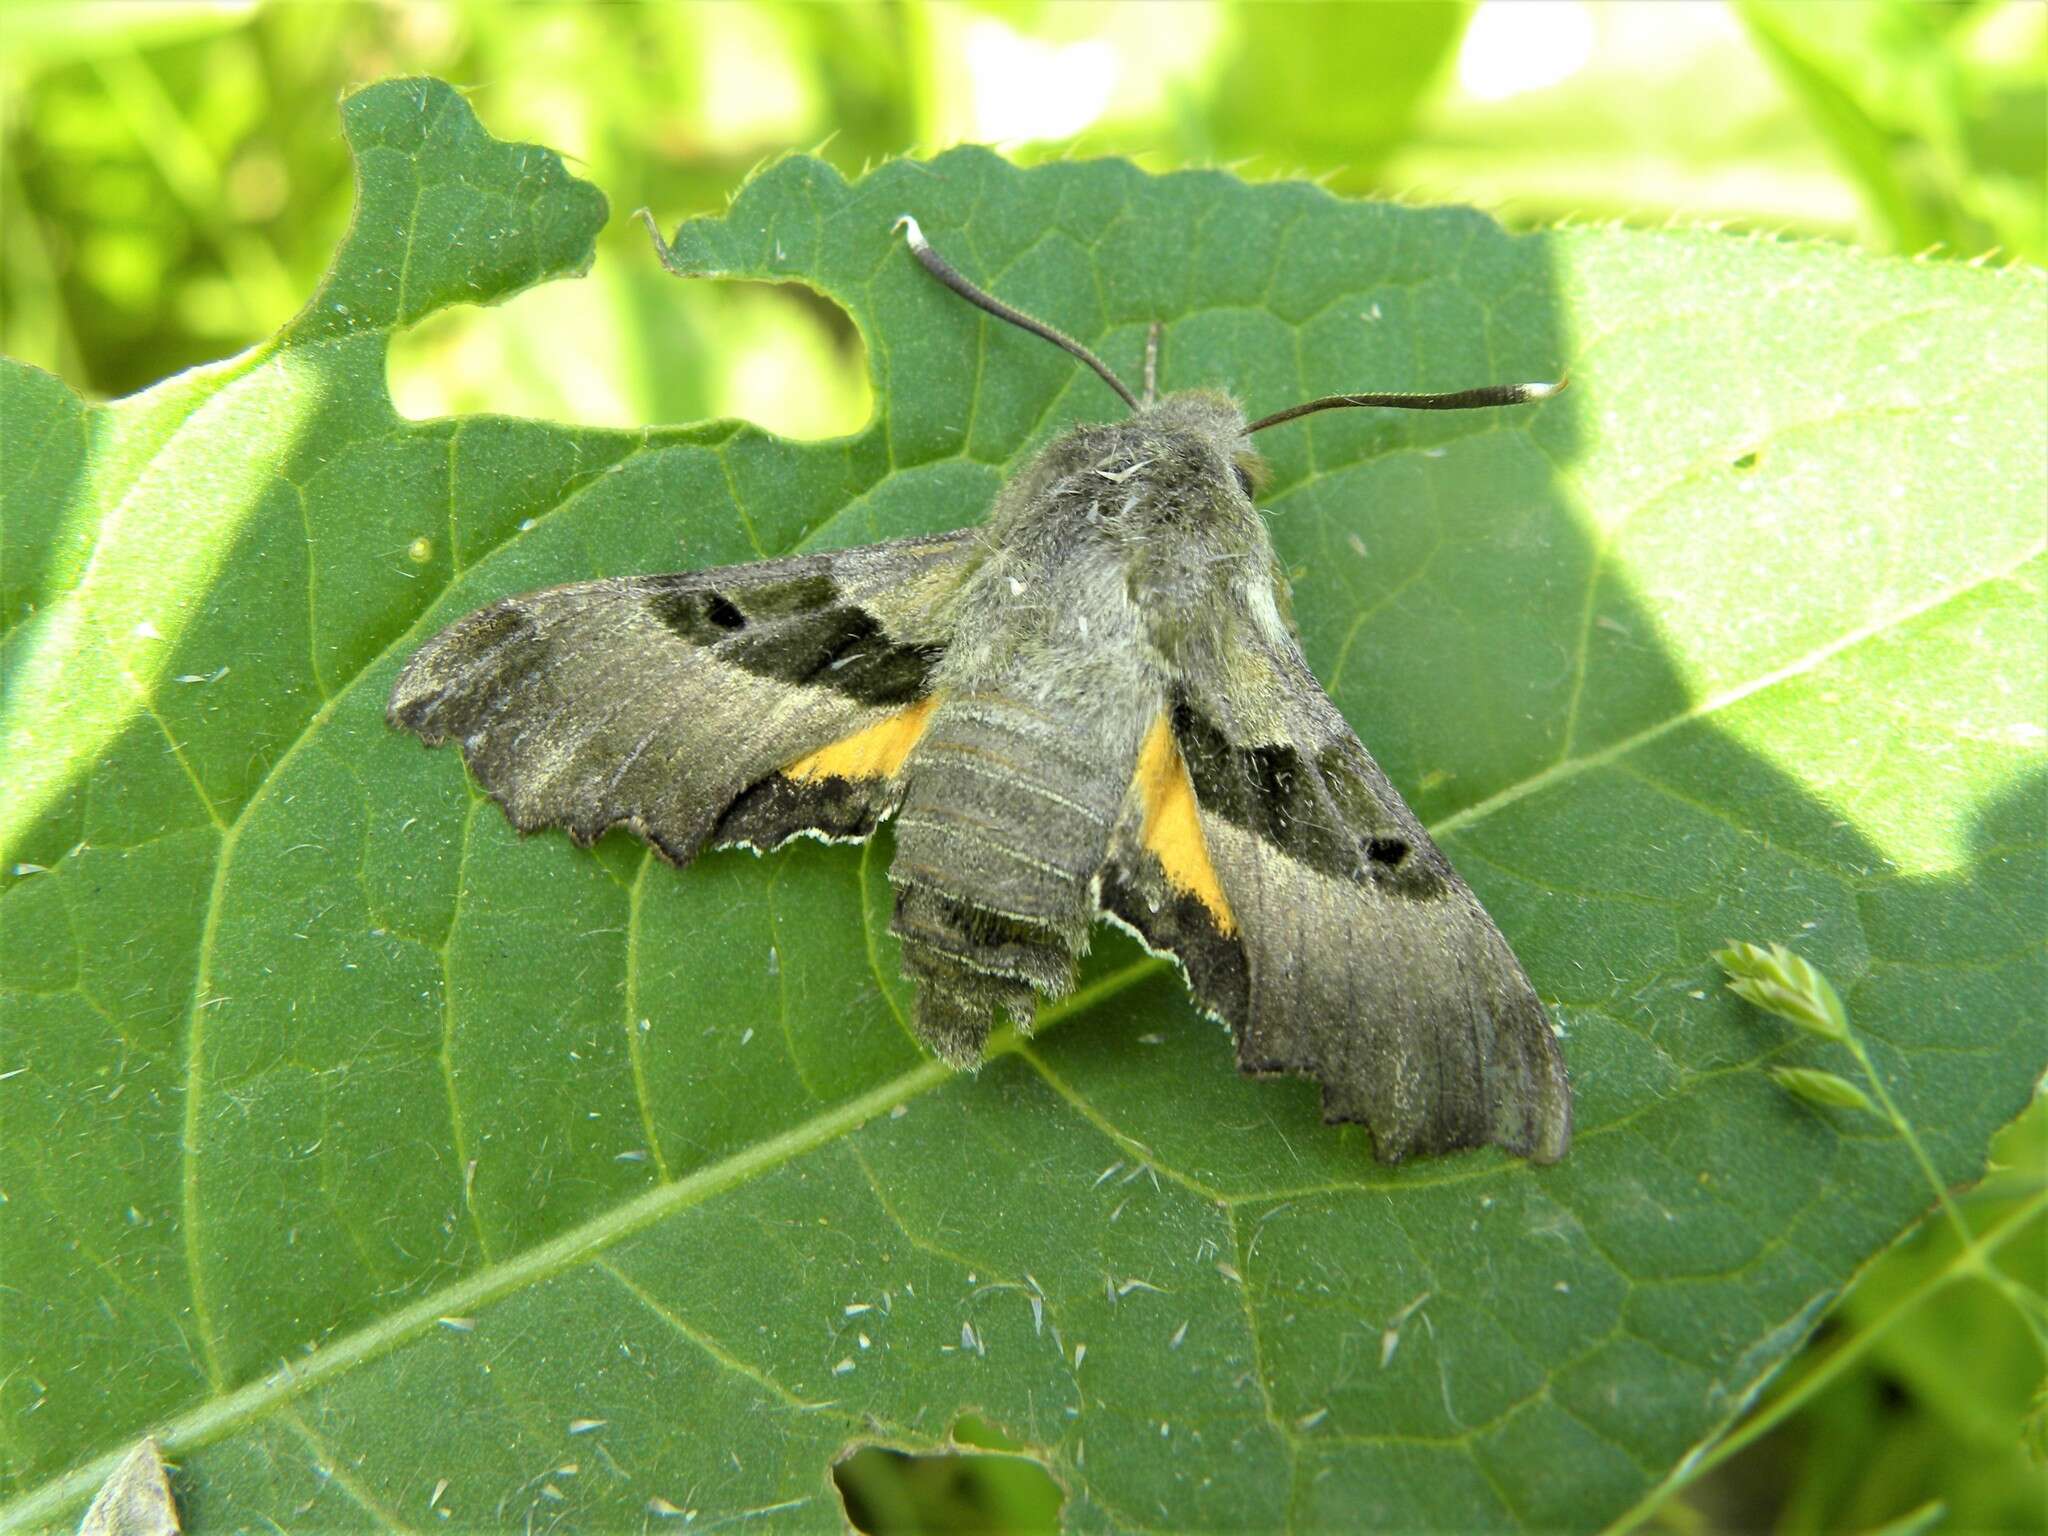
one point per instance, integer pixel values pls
(1928, 1517)
(378, 1161)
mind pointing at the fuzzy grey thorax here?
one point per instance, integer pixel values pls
(1144, 522)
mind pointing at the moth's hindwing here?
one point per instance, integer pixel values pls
(745, 705)
(1315, 916)
(1161, 883)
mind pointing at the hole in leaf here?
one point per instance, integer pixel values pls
(1748, 460)
(988, 1483)
(972, 1429)
(637, 348)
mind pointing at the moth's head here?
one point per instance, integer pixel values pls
(1200, 435)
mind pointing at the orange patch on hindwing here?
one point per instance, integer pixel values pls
(1173, 824)
(874, 753)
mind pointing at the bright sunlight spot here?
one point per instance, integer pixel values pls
(755, 90)
(561, 351)
(1025, 89)
(599, 356)
(1514, 46)
(93, 659)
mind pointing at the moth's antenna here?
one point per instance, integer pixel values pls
(943, 270)
(1458, 400)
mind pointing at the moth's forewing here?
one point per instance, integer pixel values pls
(741, 705)
(1343, 946)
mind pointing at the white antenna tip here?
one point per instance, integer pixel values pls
(1540, 391)
(911, 232)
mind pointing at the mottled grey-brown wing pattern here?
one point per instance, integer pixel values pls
(1349, 951)
(673, 704)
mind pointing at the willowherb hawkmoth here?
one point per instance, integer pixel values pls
(1093, 705)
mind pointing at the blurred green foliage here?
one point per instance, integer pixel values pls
(171, 184)
(1923, 1387)
(907, 1495)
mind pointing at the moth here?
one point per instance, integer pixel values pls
(136, 1498)
(1091, 706)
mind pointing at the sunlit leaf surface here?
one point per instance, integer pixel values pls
(386, 1167)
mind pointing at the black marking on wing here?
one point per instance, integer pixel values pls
(704, 615)
(722, 613)
(1177, 923)
(1326, 817)
(779, 808)
(801, 632)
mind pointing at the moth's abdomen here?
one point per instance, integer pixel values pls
(1005, 820)
(1006, 805)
